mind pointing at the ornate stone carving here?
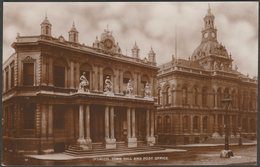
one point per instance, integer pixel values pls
(147, 90)
(84, 84)
(108, 90)
(129, 88)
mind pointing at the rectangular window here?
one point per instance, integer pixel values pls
(58, 117)
(29, 116)
(12, 77)
(28, 74)
(59, 76)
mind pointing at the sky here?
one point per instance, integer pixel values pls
(150, 24)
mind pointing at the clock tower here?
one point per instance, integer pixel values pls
(209, 32)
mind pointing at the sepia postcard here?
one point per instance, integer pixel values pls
(130, 83)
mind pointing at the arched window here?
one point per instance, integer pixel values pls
(205, 123)
(204, 96)
(185, 122)
(195, 91)
(195, 122)
(184, 96)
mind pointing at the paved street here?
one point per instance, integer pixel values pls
(193, 156)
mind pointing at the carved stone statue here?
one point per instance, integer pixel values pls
(84, 84)
(108, 85)
(147, 90)
(129, 88)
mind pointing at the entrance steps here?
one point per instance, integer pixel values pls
(99, 149)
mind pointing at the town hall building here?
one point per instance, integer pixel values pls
(190, 94)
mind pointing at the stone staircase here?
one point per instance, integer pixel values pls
(121, 147)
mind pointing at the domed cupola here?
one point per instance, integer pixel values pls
(210, 50)
(46, 27)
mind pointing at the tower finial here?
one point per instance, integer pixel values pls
(46, 17)
(209, 9)
(73, 24)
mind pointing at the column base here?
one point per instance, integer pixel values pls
(82, 144)
(150, 140)
(110, 143)
(132, 142)
(89, 143)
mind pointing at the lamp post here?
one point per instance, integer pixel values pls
(226, 153)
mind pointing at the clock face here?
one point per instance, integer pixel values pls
(206, 35)
(108, 43)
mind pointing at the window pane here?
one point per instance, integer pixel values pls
(28, 73)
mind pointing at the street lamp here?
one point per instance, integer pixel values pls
(226, 153)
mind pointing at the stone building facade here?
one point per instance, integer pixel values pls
(190, 92)
(44, 110)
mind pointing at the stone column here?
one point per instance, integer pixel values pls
(132, 140)
(44, 70)
(71, 75)
(50, 71)
(112, 122)
(110, 140)
(107, 122)
(77, 75)
(87, 128)
(116, 81)
(152, 123)
(121, 87)
(81, 141)
(136, 84)
(128, 123)
(95, 78)
(147, 123)
(149, 128)
(133, 122)
(101, 79)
